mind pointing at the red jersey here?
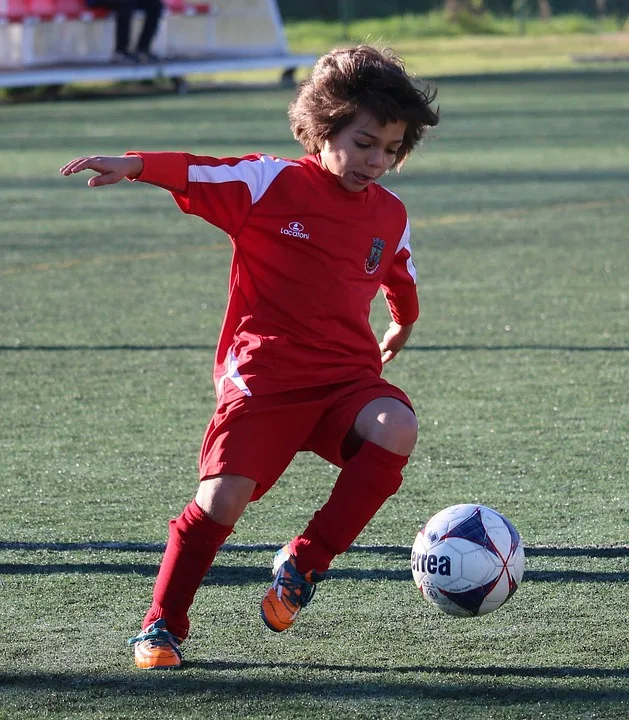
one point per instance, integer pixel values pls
(309, 257)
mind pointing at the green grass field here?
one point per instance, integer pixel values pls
(111, 301)
(435, 45)
(568, 44)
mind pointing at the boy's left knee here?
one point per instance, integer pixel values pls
(390, 423)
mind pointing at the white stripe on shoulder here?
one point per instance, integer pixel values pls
(257, 174)
(405, 240)
(405, 244)
(406, 235)
(395, 195)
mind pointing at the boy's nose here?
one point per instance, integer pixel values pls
(376, 158)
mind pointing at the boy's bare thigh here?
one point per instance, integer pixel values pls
(257, 437)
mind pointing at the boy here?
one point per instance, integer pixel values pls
(297, 365)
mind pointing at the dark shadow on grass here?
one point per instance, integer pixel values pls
(134, 92)
(469, 115)
(239, 575)
(103, 348)
(415, 348)
(503, 178)
(214, 684)
(494, 348)
(566, 81)
(274, 144)
(533, 672)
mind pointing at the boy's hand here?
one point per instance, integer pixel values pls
(394, 340)
(110, 169)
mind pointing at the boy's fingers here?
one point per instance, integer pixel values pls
(66, 169)
(107, 179)
(75, 165)
(105, 175)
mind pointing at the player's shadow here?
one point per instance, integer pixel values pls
(227, 681)
(506, 177)
(517, 671)
(413, 348)
(240, 575)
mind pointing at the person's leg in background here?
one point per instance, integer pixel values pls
(123, 10)
(153, 10)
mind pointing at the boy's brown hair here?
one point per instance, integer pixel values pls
(343, 82)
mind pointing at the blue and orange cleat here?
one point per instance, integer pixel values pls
(156, 648)
(289, 593)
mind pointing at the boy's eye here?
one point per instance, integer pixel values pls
(365, 146)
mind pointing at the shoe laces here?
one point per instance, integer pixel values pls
(299, 591)
(157, 636)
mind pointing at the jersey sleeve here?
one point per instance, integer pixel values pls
(222, 191)
(400, 283)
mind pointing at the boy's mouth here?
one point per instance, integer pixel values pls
(362, 179)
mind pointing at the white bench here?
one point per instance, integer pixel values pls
(45, 32)
(57, 42)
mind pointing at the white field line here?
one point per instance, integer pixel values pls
(603, 551)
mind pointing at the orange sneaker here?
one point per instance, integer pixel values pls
(290, 592)
(155, 647)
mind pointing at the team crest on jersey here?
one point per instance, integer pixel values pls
(372, 263)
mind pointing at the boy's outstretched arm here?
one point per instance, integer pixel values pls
(110, 168)
(394, 340)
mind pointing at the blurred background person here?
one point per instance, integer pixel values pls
(124, 10)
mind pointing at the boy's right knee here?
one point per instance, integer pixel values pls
(224, 497)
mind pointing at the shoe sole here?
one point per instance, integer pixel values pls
(272, 627)
(268, 624)
(146, 666)
(150, 662)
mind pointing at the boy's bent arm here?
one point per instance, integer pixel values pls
(399, 287)
(395, 338)
(399, 284)
(400, 290)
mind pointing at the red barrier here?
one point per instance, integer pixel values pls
(25, 11)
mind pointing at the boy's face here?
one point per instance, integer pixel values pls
(362, 151)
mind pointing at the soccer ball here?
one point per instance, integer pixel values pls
(467, 560)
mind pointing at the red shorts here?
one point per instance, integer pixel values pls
(258, 436)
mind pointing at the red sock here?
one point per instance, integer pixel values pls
(193, 541)
(365, 482)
